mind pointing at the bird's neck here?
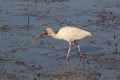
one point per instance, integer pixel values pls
(53, 35)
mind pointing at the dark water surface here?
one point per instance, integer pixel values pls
(22, 20)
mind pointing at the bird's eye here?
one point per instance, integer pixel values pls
(47, 31)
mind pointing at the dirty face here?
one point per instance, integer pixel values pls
(48, 31)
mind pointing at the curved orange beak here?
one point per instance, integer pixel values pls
(38, 36)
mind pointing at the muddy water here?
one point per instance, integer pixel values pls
(22, 20)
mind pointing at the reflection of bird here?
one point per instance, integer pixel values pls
(76, 68)
(67, 33)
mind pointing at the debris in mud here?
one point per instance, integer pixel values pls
(12, 76)
(20, 62)
(4, 28)
(3, 59)
(48, 1)
(55, 1)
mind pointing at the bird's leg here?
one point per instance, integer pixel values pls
(68, 53)
(79, 50)
(78, 46)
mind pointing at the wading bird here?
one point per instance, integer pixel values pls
(67, 33)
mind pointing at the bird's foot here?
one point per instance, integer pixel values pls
(67, 58)
(81, 55)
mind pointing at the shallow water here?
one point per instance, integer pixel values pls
(22, 20)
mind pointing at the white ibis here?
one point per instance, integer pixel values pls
(67, 33)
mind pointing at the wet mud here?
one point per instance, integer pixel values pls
(22, 20)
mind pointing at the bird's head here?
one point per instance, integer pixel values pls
(47, 31)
